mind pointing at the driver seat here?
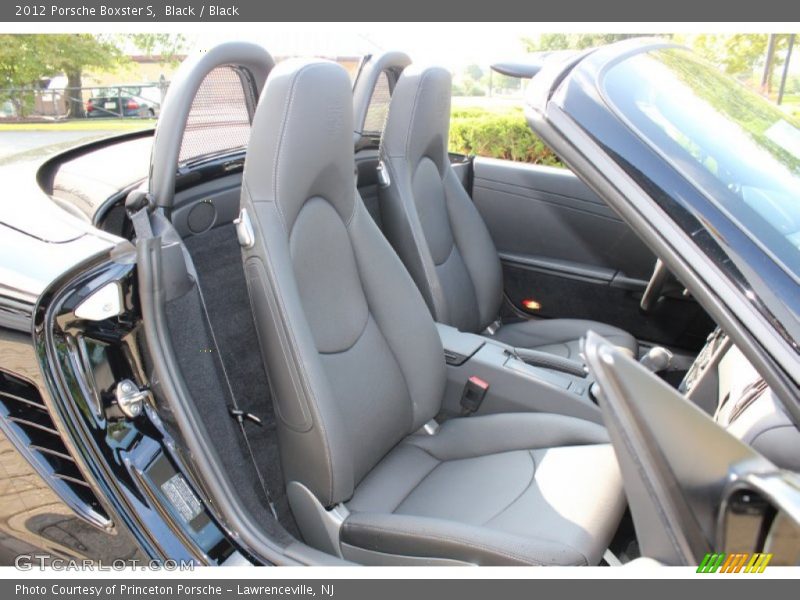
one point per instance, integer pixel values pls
(438, 233)
(357, 373)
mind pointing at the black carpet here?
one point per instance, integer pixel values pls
(217, 259)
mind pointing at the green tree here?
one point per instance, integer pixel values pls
(25, 59)
(474, 72)
(168, 46)
(505, 83)
(21, 66)
(740, 54)
(71, 53)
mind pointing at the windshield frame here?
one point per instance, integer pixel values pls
(706, 183)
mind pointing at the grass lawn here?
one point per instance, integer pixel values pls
(82, 125)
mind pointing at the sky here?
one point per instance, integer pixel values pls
(451, 45)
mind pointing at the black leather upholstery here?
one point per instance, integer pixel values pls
(348, 349)
(437, 231)
(508, 488)
(356, 367)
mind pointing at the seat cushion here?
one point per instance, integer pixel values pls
(562, 336)
(536, 489)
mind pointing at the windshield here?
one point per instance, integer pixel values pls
(738, 148)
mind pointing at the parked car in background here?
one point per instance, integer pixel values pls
(126, 105)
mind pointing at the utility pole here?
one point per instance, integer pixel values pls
(767, 76)
(786, 68)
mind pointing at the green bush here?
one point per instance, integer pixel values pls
(497, 134)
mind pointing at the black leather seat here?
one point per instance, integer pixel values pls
(357, 371)
(439, 234)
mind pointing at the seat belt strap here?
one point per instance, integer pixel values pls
(138, 205)
(240, 417)
(141, 223)
(238, 414)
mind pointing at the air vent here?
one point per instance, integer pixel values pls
(27, 423)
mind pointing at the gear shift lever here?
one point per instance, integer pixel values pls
(657, 359)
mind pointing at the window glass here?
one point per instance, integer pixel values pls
(741, 150)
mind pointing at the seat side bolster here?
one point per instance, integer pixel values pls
(436, 538)
(318, 449)
(477, 249)
(403, 229)
(406, 326)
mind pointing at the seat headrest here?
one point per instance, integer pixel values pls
(301, 143)
(418, 124)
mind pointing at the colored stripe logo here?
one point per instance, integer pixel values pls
(737, 562)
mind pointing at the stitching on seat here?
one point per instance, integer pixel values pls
(530, 483)
(351, 346)
(356, 199)
(417, 95)
(359, 270)
(299, 361)
(425, 450)
(455, 244)
(419, 483)
(284, 126)
(522, 493)
(449, 254)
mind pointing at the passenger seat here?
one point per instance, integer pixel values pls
(441, 238)
(358, 374)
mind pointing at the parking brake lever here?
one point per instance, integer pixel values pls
(548, 361)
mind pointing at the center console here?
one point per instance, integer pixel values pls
(516, 381)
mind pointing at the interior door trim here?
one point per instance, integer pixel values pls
(572, 270)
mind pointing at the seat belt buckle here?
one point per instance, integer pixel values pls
(474, 392)
(492, 328)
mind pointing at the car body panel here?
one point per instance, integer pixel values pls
(563, 247)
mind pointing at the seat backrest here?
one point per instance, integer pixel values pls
(427, 215)
(353, 357)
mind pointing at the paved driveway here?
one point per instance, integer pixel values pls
(29, 145)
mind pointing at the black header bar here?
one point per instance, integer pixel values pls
(626, 11)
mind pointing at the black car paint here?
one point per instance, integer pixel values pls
(771, 291)
(96, 107)
(119, 457)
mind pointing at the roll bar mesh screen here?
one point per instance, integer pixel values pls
(221, 114)
(378, 106)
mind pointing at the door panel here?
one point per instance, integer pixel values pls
(564, 248)
(548, 212)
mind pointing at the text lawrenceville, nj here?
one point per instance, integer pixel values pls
(62, 589)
